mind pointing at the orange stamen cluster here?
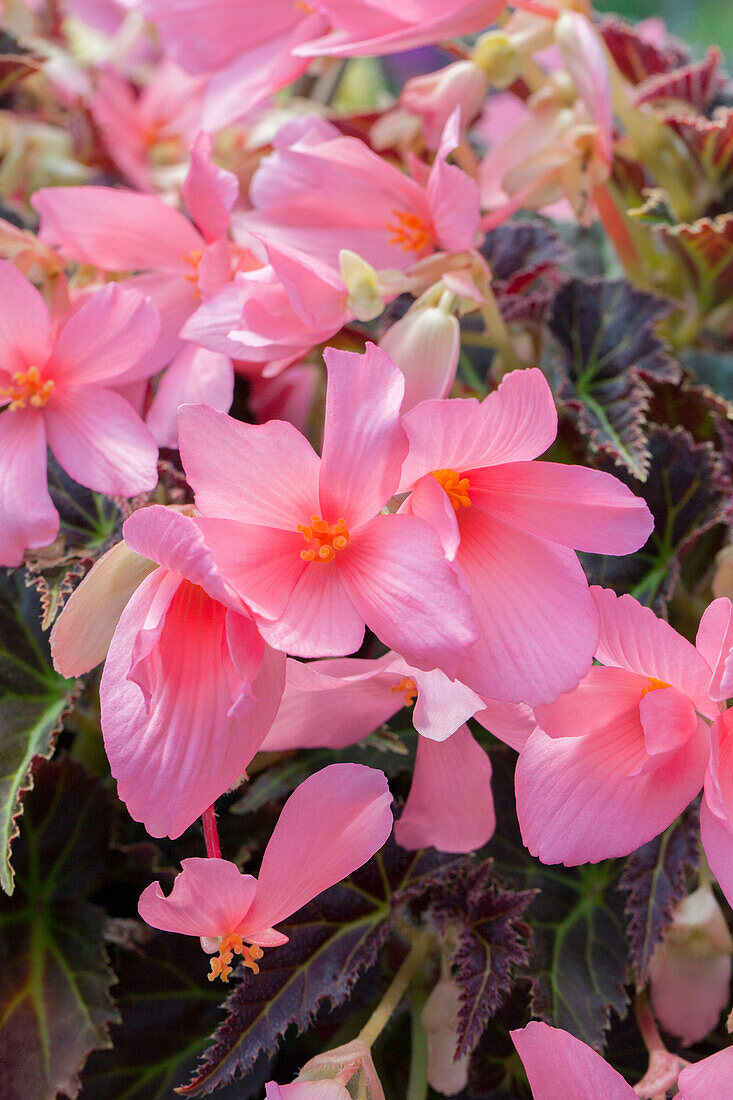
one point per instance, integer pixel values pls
(228, 947)
(301, 5)
(653, 685)
(409, 687)
(194, 259)
(455, 486)
(325, 540)
(28, 386)
(409, 231)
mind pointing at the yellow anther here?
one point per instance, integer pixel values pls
(28, 387)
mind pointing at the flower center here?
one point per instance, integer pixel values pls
(323, 540)
(228, 947)
(28, 386)
(409, 687)
(653, 685)
(455, 486)
(408, 231)
(194, 259)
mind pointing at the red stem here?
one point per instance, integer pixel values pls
(211, 834)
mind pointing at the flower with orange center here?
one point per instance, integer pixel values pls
(409, 232)
(455, 486)
(324, 540)
(28, 386)
(228, 947)
(409, 687)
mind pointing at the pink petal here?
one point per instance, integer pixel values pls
(109, 334)
(429, 502)
(252, 76)
(83, 631)
(633, 637)
(561, 1067)
(538, 620)
(25, 326)
(195, 375)
(209, 192)
(363, 443)
(398, 579)
(442, 704)
(668, 719)
(209, 898)
(515, 423)
(717, 840)
(320, 619)
(333, 703)
(254, 473)
(587, 62)
(307, 1090)
(331, 824)
(578, 800)
(27, 515)
(602, 697)
(262, 564)
(175, 299)
(175, 756)
(709, 1078)
(100, 441)
(116, 230)
(512, 723)
(452, 195)
(570, 505)
(450, 806)
(715, 642)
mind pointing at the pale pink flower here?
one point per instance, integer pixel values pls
(326, 1076)
(331, 824)
(180, 264)
(425, 345)
(56, 389)
(434, 97)
(615, 761)
(335, 703)
(322, 192)
(301, 539)
(511, 525)
(690, 969)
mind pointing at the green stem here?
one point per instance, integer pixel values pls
(497, 330)
(382, 1013)
(417, 1085)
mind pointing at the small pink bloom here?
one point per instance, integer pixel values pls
(690, 970)
(331, 824)
(301, 538)
(435, 96)
(321, 192)
(615, 761)
(56, 387)
(189, 687)
(511, 526)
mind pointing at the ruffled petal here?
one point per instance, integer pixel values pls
(208, 190)
(442, 704)
(209, 898)
(27, 515)
(195, 375)
(25, 325)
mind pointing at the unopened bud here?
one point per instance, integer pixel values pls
(496, 54)
(425, 345)
(440, 1021)
(365, 300)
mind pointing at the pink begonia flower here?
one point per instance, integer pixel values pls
(331, 824)
(322, 192)
(143, 132)
(615, 761)
(511, 526)
(301, 539)
(244, 48)
(434, 97)
(189, 687)
(326, 1076)
(425, 345)
(335, 703)
(55, 387)
(180, 266)
(690, 970)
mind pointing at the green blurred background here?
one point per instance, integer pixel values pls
(701, 23)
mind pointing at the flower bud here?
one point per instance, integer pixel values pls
(326, 1076)
(425, 345)
(723, 576)
(365, 300)
(436, 95)
(497, 56)
(691, 968)
(440, 1021)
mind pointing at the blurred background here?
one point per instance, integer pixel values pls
(700, 22)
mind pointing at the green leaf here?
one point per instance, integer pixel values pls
(55, 1003)
(579, 959)
(33, 699)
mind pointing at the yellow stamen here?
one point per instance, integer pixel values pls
(455, 486)
(653, 685)
(28, 386)
(409, 687)
(409, 231)
(228, 947)
(324, 540)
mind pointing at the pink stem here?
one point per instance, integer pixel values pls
(211, 834)
(647, 1024)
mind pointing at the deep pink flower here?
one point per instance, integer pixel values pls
(331, 824)
(511, 525)
(301, 539)
(55, 387)
(615, 761)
